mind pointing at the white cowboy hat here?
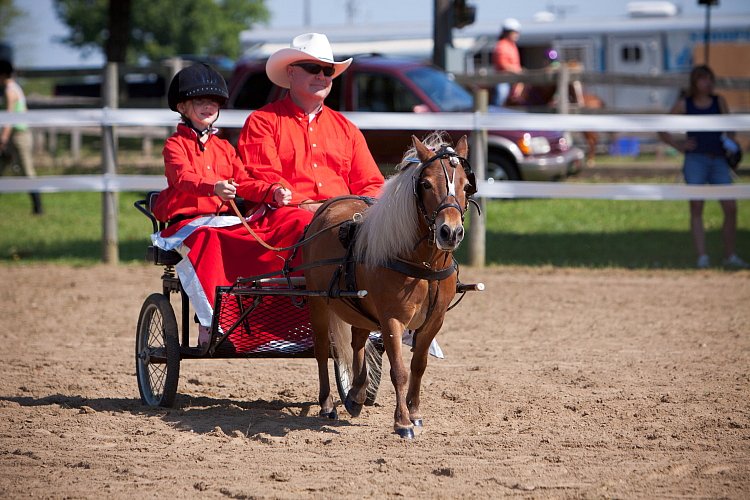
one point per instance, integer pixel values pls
(307, 47)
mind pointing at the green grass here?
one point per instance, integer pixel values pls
(602, 233)
(70, 231)
(531, 232)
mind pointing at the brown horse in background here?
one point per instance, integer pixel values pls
(402, 256)
(590, 102)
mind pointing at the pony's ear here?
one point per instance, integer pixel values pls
(462, 148)
(423, 151)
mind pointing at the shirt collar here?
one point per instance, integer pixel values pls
(297, 112)
(189, 131)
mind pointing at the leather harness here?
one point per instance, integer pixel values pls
(348, 234)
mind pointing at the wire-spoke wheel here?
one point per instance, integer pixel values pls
(341, 355)
(157, 352)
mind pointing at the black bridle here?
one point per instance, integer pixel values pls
(454, 160)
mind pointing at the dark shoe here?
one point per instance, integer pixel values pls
(735, 262)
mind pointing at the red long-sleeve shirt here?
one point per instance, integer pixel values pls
(320, 159)
(193, 171)
(506, 56)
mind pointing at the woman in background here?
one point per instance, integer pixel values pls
(705, 163)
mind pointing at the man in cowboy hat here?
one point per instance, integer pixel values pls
(301, 143)
(304, 145)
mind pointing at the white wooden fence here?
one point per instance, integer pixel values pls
(110, 182)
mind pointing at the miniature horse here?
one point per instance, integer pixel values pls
(402, 254)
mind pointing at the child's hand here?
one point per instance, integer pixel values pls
(226, 190)
(282, 196)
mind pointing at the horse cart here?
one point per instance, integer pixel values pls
(385, 266)
(257, 317)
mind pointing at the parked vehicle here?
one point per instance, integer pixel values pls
(383, 84)
(655, 38)
(147, 85)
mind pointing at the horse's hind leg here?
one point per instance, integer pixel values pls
(322, 348)
(355, 399)
(592, 138)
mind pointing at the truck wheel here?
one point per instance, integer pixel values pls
(501, 168)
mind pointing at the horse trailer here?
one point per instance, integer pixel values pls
(634, 45)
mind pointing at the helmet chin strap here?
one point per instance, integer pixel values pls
(187, 121)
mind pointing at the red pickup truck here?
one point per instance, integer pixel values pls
(385, 84)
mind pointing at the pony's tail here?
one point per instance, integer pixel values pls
(341, 338)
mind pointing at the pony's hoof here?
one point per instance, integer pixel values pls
(417, 422)
(405, 432)
(352, 407)
(333, 414)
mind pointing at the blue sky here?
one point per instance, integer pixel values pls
(36, 36)
(288, 13)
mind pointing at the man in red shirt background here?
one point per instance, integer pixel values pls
(507, 58)
(301, 143)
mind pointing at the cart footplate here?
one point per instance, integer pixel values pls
(268, 321)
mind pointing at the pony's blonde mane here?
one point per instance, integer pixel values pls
(391, 226)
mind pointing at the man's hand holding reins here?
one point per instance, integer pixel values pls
(282, 196)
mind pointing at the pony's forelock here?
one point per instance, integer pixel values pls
(434, 141)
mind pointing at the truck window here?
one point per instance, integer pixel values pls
(333, 100)
(383, 93)
(255, 92)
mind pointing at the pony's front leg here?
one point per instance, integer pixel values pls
(418, 367)
(357, 394)
(322, 348)
(392, 332)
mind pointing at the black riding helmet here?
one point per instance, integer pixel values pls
(198, 80)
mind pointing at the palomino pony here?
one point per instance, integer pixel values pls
(402, 254)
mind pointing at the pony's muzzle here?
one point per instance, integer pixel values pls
(449, 237)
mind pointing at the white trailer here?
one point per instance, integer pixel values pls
(633, 45)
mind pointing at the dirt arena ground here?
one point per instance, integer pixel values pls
(557, 383)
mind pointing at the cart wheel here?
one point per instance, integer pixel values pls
(374, 349)
(157, 352)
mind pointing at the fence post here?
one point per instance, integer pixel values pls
(478, 152)
(173, 66)
(110, 200)
(563, 94)
(75, 145)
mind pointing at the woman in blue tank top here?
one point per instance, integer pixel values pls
(705, 163)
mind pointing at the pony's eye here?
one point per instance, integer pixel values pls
(426, 184)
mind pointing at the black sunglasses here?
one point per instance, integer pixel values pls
(314, 69)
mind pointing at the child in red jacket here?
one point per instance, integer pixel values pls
(203, 174)
(203, 171)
